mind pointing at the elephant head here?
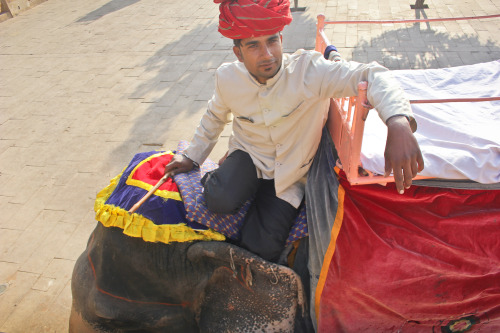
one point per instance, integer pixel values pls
(124, 284)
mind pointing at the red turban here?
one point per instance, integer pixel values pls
(240, 19)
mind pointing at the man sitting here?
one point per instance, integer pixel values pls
(279, 104)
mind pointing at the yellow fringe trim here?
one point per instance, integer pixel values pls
(136, 225)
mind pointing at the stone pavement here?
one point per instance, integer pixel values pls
(84, 85)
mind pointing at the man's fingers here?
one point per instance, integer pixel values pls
(397, 174)
(173, 167)
(420, 161)
(414, 168)
(398, 178)
(388, 168)
(179, 164)
(169, 167)
(408, 174)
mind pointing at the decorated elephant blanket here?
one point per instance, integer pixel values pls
(176, 212)
(424, 261)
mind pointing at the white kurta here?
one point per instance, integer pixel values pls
(279, 123)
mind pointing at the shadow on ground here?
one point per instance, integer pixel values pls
(110, 7)
(179, 84)
(422, 46)
(174, 86)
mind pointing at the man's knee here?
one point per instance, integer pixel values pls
(221, 201)
(227, 188)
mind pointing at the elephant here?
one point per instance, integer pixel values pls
(125, 284)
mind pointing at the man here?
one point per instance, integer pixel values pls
(279, 105)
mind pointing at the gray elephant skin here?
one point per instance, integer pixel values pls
(124, 284)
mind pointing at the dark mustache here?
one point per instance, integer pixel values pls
(267, 62)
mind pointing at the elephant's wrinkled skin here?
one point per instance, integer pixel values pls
(123, 284)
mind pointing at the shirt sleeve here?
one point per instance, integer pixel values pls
(384, 91)
(211, 125)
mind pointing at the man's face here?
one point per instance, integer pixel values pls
(261, 55)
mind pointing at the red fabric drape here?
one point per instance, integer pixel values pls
(425, 261)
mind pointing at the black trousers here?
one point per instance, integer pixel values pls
(269, 219)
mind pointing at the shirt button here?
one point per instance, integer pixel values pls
(278, 164)
(266, 110)
(278, 146)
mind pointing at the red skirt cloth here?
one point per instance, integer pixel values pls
(425, 261)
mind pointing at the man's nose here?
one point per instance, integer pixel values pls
(266, 52)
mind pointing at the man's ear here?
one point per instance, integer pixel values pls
(237, 53)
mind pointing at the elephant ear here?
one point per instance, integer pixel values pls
(246, 293)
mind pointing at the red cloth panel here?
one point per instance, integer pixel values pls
(425, 261)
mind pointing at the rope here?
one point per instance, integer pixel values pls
(275, 276)
(233, 267)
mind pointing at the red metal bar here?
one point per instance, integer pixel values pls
(414, 20)
(346, 125)
(454, 100)
(320, 42)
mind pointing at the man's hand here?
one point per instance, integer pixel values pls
(223, 158)
(402, 153)
(179, 164)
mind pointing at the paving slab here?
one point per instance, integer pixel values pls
(85, 85)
